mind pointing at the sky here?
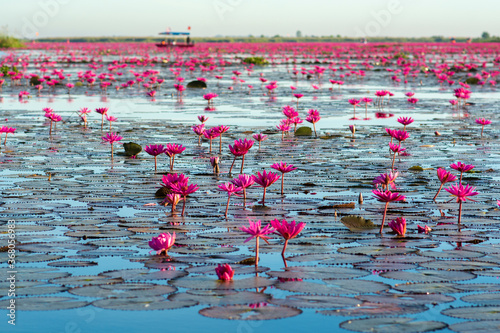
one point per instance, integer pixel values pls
(349, 18)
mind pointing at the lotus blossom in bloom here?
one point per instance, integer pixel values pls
(110, 119)
(444, 177)
(171, 150)
(102, 112)
(290, 112)
(367, 101)
(462, 193)
(162, 243)
(221, 129)
(7, 130)
(54, 118)
(243, 181)
(287, 230)
(298, 97)
(184, 189)
(265, 180)
(199, 130)
(283, 168)
(259, 138)
(230, 188)
(387, 197)
(483, 122)
(462, 167)
(255, 230)
(400, 135)
(155, 150)
(412, 100)
(283, 127)
(386, 180)
(224, 272)
(83, 112)
(211, 134)
(111, 138)
(313, 117)
(295, 121)
(209, 97)
(240, 148)
(354, 102)
(405, 121)
(172, 199)
(398, 226)
(396, 149)
(202, 119)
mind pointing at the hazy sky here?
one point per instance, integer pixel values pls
(61, 18)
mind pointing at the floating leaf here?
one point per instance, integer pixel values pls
(392, 325)
(357, 223)
(245, 312)
(476, 312)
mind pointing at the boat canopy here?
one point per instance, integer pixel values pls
(175, 33)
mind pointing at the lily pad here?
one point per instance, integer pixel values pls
(357, 223)
(392, 325)
(245, 312)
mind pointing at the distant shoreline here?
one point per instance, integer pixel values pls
(276, 39)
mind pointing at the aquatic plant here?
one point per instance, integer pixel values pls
(287, 230)
(256, 231)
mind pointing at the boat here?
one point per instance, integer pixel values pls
(172, 39)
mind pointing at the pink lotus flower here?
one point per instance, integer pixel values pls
(255, 230)
(172, 199)
(214, 161)
(444, 177)
(287, 230)
(265, 180)
(224, 272)
(352, 128)
(290, 112)
(313, 117)
(483, 122)
(387, 197)
(202, 118)
(221, 129)
(462, 193)
(283, 168)
(298, 97)
(243, 181)
(459, 166)
(398, 226)
(240, 148)
(184, 189)
(110, 119)
(102, 112)
(162, 243)
(155, 150)
(171, 150)
(111, 138)
(412, 100)
(405, 121)
(283, 128)
(259, 138)
(425, 229)
(230, 188)
(354, 102)
(386, 180)
(7, 130)
(199, 130)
